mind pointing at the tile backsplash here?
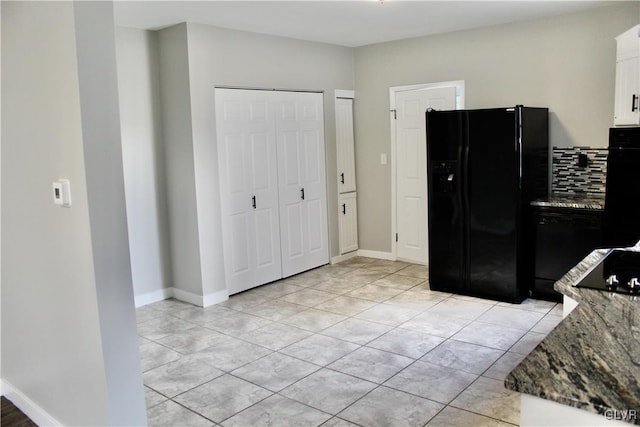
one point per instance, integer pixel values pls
(570, 178)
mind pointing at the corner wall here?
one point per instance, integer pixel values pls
(221, 57)
(143, 159)
(179, 162)
(194, 60)
(566, 63)
(69, 350)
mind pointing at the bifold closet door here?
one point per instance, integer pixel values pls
(249, 187)
(302, 183)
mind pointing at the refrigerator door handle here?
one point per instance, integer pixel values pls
(465, 189)
(466, 208)
(460, 184)
(519, 146)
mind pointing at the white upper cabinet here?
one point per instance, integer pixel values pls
(627, 104)
(345, 145)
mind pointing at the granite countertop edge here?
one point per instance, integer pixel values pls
(571, 201)
(591, 359)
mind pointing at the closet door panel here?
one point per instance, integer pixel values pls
(315, 241)
(262, 164)
(236, 182)
(272, 183)
(249, 188)
(313, 148)
(345, 145)
(267, 249)
(240, 246)
(293, 245)
(302, 182)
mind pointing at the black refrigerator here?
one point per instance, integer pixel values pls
(622, 197)
(484, 168)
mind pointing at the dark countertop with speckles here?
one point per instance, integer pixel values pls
(591, 360)
(572, 201)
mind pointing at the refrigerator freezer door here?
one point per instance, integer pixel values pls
(445, 137)
(622, 200)
(491, 200)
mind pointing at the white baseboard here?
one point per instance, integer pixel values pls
(376, 254)
(155, 296)
(28, 406)
(215, 298)
(191, 298)
(186, 296)
(200, 300)
(340, 258)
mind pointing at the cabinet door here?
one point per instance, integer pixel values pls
(345, 145)
(627, 92)
(248, 186)
(348, 223)
(302, 184)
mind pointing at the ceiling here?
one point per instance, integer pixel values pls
(342, 22)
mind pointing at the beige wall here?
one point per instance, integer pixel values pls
(143, 158)
(69, 342)
(566, 63)
(221, 57)
(194, 59)
(178, 150)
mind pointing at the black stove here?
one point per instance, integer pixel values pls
(618, 272)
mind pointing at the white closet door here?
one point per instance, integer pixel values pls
(248, 185)
(348, 222)
(345, 145)
(302, 183)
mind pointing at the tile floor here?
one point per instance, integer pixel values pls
(364, 342)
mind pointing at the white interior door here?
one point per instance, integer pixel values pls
(411, 167)
(302, 182)
(249, 188)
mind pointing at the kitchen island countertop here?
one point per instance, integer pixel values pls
(591, 360)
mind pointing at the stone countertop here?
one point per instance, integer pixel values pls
(591, 360)
(572, 201)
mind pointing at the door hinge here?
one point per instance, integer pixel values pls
(395, 115)
(396, 237)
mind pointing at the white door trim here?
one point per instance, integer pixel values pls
(459, 85)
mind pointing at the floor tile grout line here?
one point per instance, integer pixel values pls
(482, 415)
(392, 327)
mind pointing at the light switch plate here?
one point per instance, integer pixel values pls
(383, 158)
(62, 193)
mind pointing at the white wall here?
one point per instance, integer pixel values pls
(231, 58)
(143, 158)
(566, 63)
(69, 351)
